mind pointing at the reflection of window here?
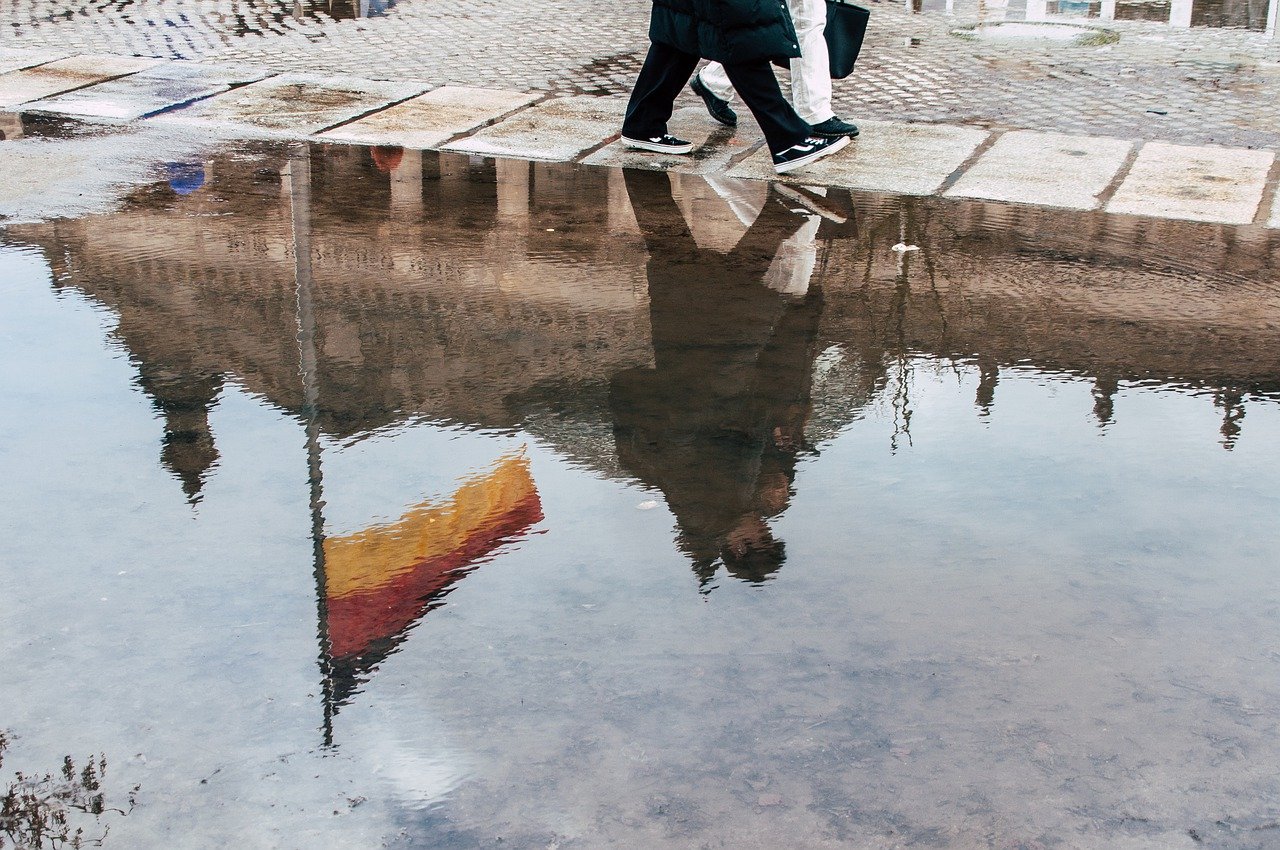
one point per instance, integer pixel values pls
(1074, 8)
(348, 9)
(1250, 14)
(1143, 10)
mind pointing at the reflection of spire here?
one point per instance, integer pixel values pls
(988, 377)
(1104, 398)
(1232, 404)
(188, 449)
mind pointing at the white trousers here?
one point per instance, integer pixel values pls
(797, 257)
(810, 74)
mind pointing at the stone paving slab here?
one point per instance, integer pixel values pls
(1275, 212)
(902, 159)
(150, 91)
(295, 104)
(1049, 169)
(556, 130)
(1221, 185)
(431, 119)
(16, 60)
(18, 87)
(716, 145)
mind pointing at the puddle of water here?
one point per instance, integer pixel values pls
(367, 497)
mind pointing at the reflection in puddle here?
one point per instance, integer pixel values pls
(949, 544)
(378, 582)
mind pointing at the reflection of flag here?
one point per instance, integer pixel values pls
(379, 581)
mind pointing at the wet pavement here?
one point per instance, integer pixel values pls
(1200, 72)
(200, 103)
(379, 497)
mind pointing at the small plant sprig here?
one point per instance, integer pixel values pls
(51, 811)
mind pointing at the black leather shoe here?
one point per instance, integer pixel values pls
(717, 106)
(833, 128)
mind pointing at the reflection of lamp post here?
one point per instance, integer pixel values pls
(1273, 18)
(299, 174)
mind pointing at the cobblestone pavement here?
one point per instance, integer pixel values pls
(1199, 86)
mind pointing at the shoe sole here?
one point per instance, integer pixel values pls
(839, 144)
(699, 88)
(852, 135)
(639, 145)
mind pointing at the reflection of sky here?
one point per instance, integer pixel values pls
(997, 582)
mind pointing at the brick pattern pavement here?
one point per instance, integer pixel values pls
(1198, 86)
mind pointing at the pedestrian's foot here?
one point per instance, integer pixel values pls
(810, 150)
(659, 144)
(717, 106)
(810, 201)
(833, 128)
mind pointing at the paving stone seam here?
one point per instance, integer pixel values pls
(489, 122)
(737, 159)
(74, 88)
(993, 135)
(1105, 196)
(375, 110)
(1269, 208)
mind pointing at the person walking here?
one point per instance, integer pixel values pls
(744, 36)
(810, 77)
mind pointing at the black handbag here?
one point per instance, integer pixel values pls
(846, 27)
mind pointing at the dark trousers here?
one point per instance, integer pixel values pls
(667, 70)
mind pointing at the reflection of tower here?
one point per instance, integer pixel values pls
(1104, 398)
(988, 378)
(1232, 404)
(184, 401)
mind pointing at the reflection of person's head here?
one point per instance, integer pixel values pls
(750, 551)
(387, 158)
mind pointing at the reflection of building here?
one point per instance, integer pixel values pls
(507, 294)
(1258, 15)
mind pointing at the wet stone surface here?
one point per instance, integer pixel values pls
(1177, 181)
(1045, 168)
(62, 75)
(432, 119)
(370, 497)
(1198, 84)
(898, 158)
(295, 104)
(165, 86)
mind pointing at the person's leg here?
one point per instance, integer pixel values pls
(662, 224)
(756, 250)
(665, 72)
(713, 76)
(811, 73)
(758, 87)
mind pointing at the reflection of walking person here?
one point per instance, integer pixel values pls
(810, 77)
(717, 424)
(743, 35)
